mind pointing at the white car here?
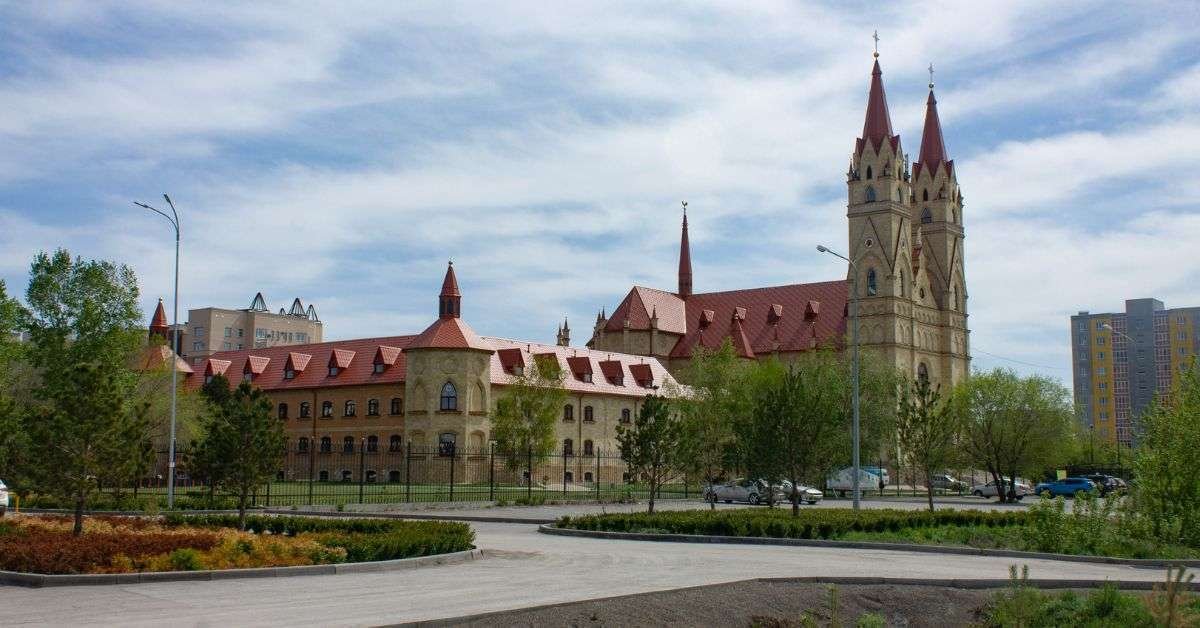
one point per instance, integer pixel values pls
(3, 498)
(988, 489)
(740, 490)
(808, 494)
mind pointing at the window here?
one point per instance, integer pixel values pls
(371, 476)
(323, 476)
(588, 448)
(586, 377)
(198, 332)
(393, 476)
(372, 407)
(348, 445)
(568, 447)
(240, 334)
(1100, 370)
(396, 407)
(1099, 325)
(926, 216)
(229, 332)
(372, 444)
(1104, 401)
(1101, 385)
(1100, 341)
(247, 376)
(446, 443)
(333, 371)
(208, 379)
(588, 415)
(568, 477)
(922, 372)
(305, 410)
(869, 172)
(197, 346)
(350, 409)
(289, 373)
(326, 409)
(394, 443)
(872, 289)
(326, 444)
(347, 475)
(449, 397)
(587, 476)
(239, 346)
(1099, 355)
(226, 346)
(302, 445)
(568, 412)
(379, 367)
(870, 194)
(625, 415)
(283, 411)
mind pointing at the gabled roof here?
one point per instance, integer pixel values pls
(359, 372)
(613, 371)
(341, 358)
(641, 303)
(643, 368)
(214, 366)
(156, 356)
(449, 333)
(386, 355)
(256, 364)
(298, 361)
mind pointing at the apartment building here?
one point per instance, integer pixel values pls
(212, 329)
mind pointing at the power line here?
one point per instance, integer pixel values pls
(1000, 357)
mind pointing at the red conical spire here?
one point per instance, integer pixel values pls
(878, 125)
(933, 147)
(158, 323)
(450, 299)
(685, 260)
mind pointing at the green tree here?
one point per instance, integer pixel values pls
(243, 442)
(526, 414)
(650, 445)
(1013, 425)
(14, 443)
(1168, 488)
(926, 431)
(714, 397)
(81, 434)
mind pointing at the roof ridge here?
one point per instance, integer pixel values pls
(776, 287)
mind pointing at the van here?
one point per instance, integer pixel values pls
(842, 481)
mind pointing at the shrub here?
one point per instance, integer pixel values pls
(184, 559)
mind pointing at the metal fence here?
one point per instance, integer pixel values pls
(357, 473)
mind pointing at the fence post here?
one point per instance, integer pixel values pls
(362, 467)
(564, 459)
(492, 472)
(408, 471)
(452, 453)
(529, 472)
(685, 486)
(597, 478)
(311, 461)
(269, 483)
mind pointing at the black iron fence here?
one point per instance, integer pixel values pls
(362, 474)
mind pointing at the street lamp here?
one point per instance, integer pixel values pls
(173, 218)
(854, 361)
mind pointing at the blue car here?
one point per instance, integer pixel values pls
(1066, 487)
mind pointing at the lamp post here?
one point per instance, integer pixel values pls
(173, 218)
(854, 362)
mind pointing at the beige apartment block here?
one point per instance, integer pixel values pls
(212, 329)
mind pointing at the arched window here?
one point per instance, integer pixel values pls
(393, 476)
(568, 447)
(283, 411)
(872, 287)
(587, 476)
(870, 194)
(588, 448)
(372, 407)
(347, 475)
(625, 415)
(326, 409)
(868, 172)
(568, 477)
(372, 476)
(449, 397)
(588, 414)
(348, 445)
(926, 216)
(326, 444)
(394, 443)
(568, 412)
(351, 408)
(372, 444)
(323, 476)
(305, 410)
(446, 441)
(302, 445)
(922, 372)
(397, 406)
(924, 195)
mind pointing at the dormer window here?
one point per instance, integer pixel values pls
(289, 374)
(379, 367)
(247, 376)
(208, 379)
(586, 377)
(333, 371)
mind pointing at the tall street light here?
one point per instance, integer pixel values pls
(854, 360)
(173, 218)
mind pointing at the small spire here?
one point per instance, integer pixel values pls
(933, 147)
(877, 127)
(450, 299)
(158, 323)
(685, 259)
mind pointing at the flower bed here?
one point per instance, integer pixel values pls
(179, 543)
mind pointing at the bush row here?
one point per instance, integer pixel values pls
(810, 524)
(35, 550)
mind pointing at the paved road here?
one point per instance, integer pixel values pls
(523, 569)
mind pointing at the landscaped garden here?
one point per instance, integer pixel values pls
(45, 544)
(1093, 527)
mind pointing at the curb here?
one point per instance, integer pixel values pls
(498, 617)
(1149, 563)
(52, 580)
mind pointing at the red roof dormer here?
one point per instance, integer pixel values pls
(215, 367)
(296, 363)
(512, 360)
(339, 360)
(613, 372)
(581, 368)
(775, 313)
(642, 374)
(385, 357)
(255, 365)
(812, 310)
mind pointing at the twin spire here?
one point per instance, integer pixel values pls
(877, 127)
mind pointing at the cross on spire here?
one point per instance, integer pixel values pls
(684, 208)
(930, 76)
(876, 38)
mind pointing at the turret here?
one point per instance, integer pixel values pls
(450, 299)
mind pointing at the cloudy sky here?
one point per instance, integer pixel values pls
(342, 152)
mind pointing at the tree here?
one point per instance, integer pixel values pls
(81, 434)
(14, 443)
(1013, 425)
(243, 442)
(526, 414)
(1168, 488)
(714, 398)
(926, 431)
(650, 445)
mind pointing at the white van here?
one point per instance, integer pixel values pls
(842, 481)
(3, 498)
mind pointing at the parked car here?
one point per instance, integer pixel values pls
(1106, 483)
(988, 489)
(947, 483)
(808, 494)
(1067, 487)
(3, 498)
(842, 481)
(742, 490)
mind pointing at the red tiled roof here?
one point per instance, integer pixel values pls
(341, 358)
(256, 364)
(641, 302)
(216, 367)
(650, 368)
(642, 373)
(510, 359)
(793, 331)
(357, 373)
(158, 323)
(448, 333)
(386, 355)
(298, 361)
(156, 356)
(579, 365)
(450, 283)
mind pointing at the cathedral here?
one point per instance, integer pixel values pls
(905, 228)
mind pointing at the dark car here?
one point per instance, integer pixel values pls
(1106, 483)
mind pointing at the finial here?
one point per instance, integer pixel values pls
(450, 263)
(930, 76)
(876, 38)
(684, 208)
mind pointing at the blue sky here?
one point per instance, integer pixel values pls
(342, 152)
